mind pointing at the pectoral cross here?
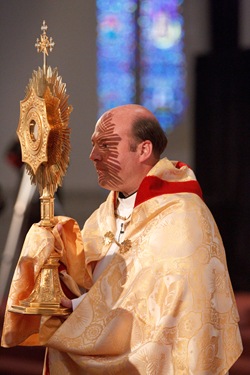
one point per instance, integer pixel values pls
(44, 44)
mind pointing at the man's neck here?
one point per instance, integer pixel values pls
(124, 195)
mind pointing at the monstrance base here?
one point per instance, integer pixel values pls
(40, 310)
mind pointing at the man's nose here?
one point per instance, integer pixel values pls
(94, 155)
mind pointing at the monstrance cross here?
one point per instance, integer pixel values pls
(44, 44)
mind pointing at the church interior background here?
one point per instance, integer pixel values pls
(186, 60)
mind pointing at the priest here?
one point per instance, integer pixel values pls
(146, 279)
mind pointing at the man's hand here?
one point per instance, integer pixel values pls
(65, 302)
(59, 228)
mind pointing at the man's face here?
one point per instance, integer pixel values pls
(114, 161)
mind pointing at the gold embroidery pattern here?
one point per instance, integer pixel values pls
(124, 246)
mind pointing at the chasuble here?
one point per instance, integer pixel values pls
(164, 304)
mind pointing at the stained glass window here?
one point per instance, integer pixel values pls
(140, 57)
(116, 43)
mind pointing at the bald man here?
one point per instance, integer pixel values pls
(126, 136)
(152, 293)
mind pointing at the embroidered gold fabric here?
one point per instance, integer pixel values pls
(124, 246)
(166, 306)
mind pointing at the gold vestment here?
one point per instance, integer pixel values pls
(164, 306)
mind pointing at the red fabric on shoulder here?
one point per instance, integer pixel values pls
(180, 164)
(153, 186)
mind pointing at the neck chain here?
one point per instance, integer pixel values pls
(124, 218)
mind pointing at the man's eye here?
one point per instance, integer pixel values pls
(104, 145)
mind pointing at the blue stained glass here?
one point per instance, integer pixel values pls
(116, 43)
(162, 75)
(141, 41)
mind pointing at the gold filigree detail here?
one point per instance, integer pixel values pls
(108, 238)
(43, 130)
(44, 44)
(124, 246)
(33, 130)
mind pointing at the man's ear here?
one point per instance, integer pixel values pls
(145, 150)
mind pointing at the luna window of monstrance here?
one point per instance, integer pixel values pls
(44, 137)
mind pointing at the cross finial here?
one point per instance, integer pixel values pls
(44, 44)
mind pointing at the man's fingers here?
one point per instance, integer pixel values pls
(65, 302)
(59, 228)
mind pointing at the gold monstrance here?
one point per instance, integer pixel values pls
(43, 133)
